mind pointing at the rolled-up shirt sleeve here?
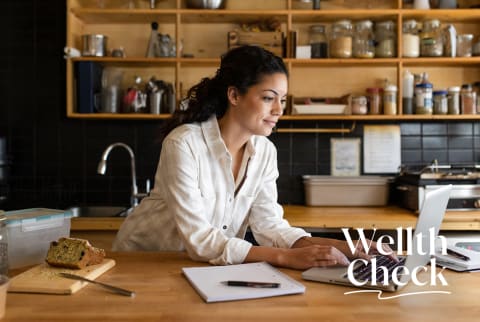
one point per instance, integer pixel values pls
(186, 201)
(266, 216)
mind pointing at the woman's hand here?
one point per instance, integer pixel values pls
(361, 252)
(312, 256)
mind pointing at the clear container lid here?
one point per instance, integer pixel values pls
(454, 89)
(410, 25)
(343, 24)
(364, 24)
(317, 29)
(429, 25)
(390, 88)
(440, 92)
(388, 25)
(465, 37)
(424, 85)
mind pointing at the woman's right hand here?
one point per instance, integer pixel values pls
(312, 256)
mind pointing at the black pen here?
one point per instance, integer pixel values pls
(251, 284)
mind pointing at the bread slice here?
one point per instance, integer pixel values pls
(73, 253)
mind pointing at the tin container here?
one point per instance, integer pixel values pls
(94, 45)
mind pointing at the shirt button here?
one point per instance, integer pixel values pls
(224, 227)
(230, 199)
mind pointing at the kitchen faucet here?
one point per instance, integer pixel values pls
(102, 168)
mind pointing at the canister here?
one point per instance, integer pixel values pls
(340, 44)
(374, 100)
(385, 39)
(318, 42)
(476, 89)
(94, 45)
(468, 102)
(431, 39)
(363, 40)
(440, 104)
(424, 98)
(410, 39)
(453, 100)
(390, 100)
(359, 105)
(464, 45)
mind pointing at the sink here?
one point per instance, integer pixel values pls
(99, 211)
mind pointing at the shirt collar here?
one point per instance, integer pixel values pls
(214, 141)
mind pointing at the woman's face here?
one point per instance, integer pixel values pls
(259, 109)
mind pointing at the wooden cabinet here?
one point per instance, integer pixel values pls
(203, 34)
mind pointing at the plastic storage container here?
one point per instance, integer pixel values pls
(431, 39)
(340, 45)
(410, 39)
(30, 232)
(363, 40)
(346, 191)
(318, 41)
(385, 39)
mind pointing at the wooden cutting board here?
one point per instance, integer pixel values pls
(44, 278)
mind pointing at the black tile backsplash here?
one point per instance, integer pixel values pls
(54, 159)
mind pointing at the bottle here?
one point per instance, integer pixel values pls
(153, 49)
(374, 100)
(363, 40)
(3, 246)
(424, 96)
(410, 39)
(390, 99)
(407, 92)
(318, 42)
(476, 89)
(341, 39)
(385, 39)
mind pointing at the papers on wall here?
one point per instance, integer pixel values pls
(345, 157)
(207, 281)
(381, 148)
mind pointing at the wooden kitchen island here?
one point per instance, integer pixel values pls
(164, 294)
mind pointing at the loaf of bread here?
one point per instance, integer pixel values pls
(73, 253)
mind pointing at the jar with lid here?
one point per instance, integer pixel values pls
(468, 99)
(340, 44)
(476, 89)
(440, 105)
(3, 246)
(424, 98)
(375, 100)
(385, 39)
(390, 100)
(410, 39)
(359, 105)
(464, 45)
(431, 39)
(318, 41)
(363, 40)
(453, 100)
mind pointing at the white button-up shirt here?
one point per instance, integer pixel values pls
(197, 206)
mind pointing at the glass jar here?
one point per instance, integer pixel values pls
(431, 39)
(390, 100)
(410, 39)
(3, 246)
(359, 105)
(440, 104)
(374, 100)
(363, 40)
(340, 45)
(318, 41)
(424, 98)
(453, 100)
(476, 89)
(468, 99)
(464, 45)
(385, 39)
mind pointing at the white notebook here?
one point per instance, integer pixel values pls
(208, 281)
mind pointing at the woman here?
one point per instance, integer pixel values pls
(217, 175)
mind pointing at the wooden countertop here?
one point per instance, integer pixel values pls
(318, 218)
(164, 294)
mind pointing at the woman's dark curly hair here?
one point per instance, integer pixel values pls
(242, 68)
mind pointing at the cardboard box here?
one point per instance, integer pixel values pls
(30, 232)
(346, 191)
(270, 40)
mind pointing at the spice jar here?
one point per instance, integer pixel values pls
(390, 100)
(318, 41)
(385, 39)
(440, 105)
(424, 98)
(363, 40)
(340, 45)
(374, 100)
(468, 100)
(464, 45)
(359, 105)
(453, 100)
(431, 39)
(410, 39)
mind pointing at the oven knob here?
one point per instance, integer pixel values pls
(476, 203)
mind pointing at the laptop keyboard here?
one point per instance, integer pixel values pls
(364, 272)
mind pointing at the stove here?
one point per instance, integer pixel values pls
(413, 183)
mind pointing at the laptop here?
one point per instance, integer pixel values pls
(428, 226)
